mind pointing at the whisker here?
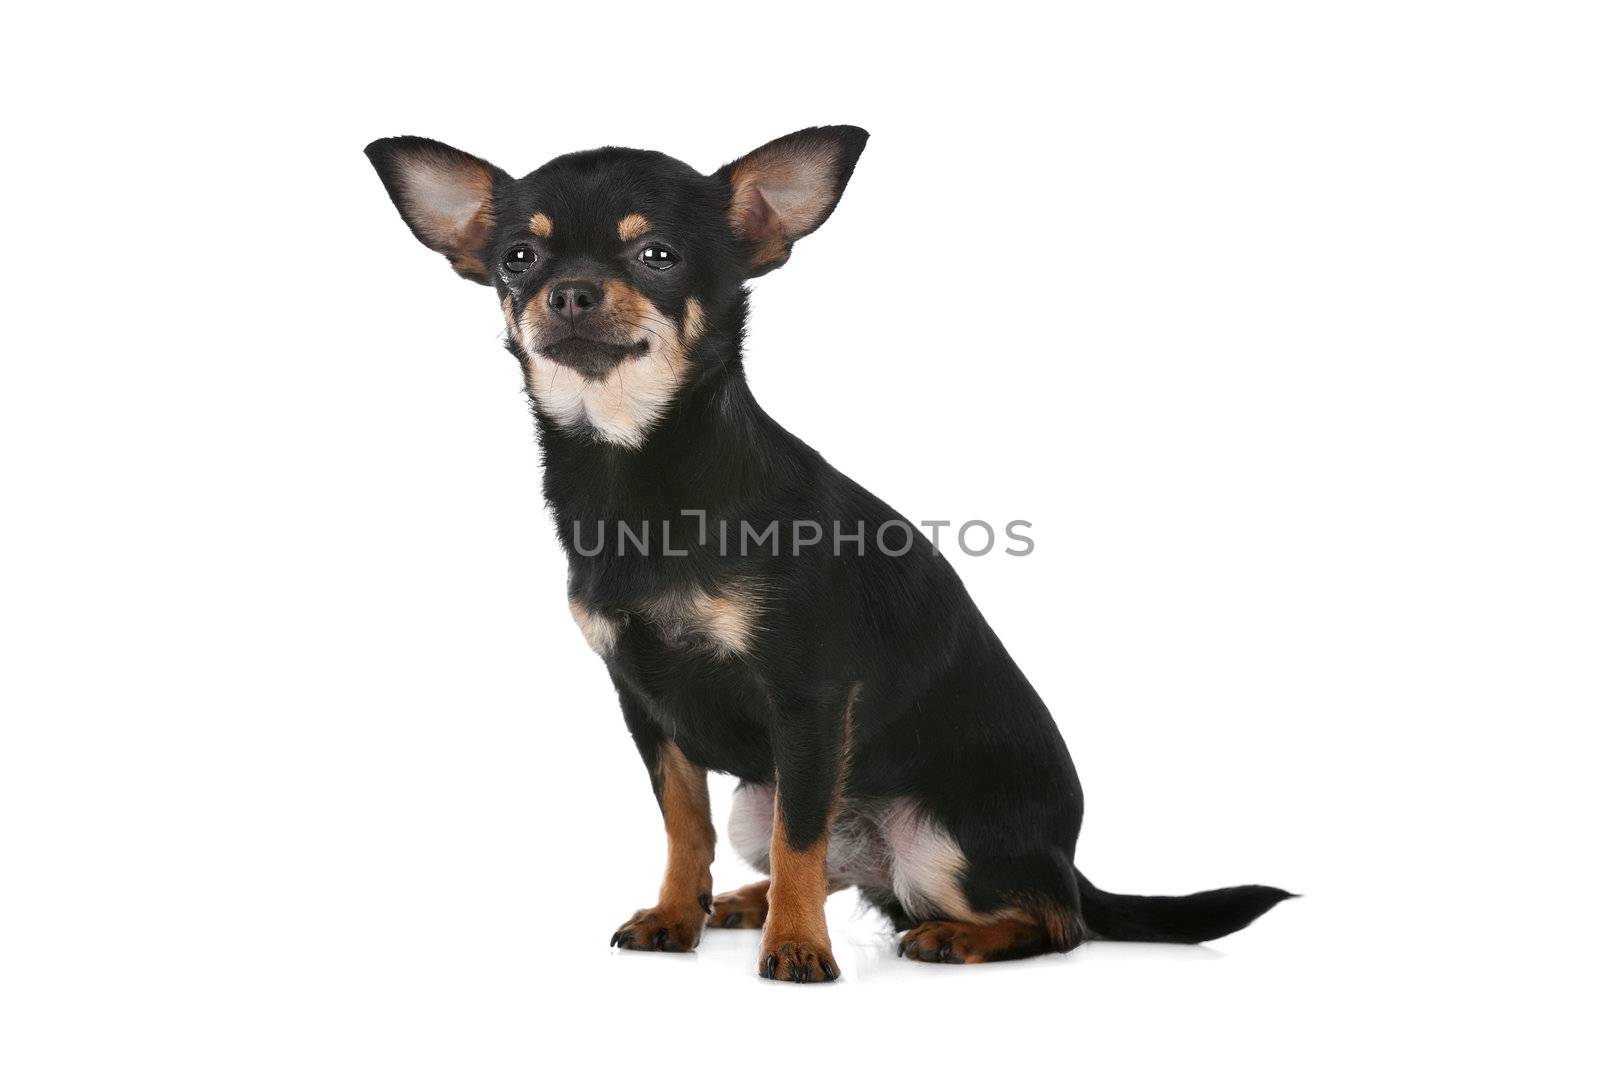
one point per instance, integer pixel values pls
(639, 325)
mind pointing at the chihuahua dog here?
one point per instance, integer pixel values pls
(884, 738)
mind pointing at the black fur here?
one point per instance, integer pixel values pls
(942, 714)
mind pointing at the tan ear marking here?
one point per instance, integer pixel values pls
(454, 210)
(786, 188)
(780, 196)
(446, 197)
(540, 225)
(796, 187)
(632, 227)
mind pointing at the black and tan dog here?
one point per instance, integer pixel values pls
(783, 625)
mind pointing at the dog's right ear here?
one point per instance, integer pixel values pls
(445, 196)
(787, 188)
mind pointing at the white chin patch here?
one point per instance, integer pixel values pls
(622, 407)
(619, 408)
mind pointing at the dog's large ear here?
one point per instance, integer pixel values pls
(786, 189)
(445, 196)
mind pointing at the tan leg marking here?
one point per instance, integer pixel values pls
(1006, 935)
(794, 943)
(675, 923)
(746, 907)
(743, 909)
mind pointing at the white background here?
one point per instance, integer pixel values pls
(1277, 321)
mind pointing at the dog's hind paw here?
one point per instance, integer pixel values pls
(742, 909)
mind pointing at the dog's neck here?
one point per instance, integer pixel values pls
(713, 450)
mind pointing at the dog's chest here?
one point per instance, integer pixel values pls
(690, 656)
(720, 623)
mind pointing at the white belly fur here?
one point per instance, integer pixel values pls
(888, 845)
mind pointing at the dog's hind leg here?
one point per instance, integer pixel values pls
(1001, 897)
(746, 907)
(750, 832)
(1011, 936)
(743, 909)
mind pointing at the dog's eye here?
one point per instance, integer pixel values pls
(658, 257)
(520, 259)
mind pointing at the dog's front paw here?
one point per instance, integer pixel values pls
(663, 928)
(797, 961)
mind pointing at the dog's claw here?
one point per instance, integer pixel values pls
(664, 928)
(800, 962)
(705, 903)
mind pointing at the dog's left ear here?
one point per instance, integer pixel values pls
(786, 189)
(445, 195)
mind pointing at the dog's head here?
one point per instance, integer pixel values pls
(612, 265)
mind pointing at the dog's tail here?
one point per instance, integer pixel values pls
(1183, 920)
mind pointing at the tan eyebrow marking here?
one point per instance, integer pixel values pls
(540, 224)
(632, 226)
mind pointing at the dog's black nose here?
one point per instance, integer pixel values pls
(573, 300)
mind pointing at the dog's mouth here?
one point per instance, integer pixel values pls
(589, 357)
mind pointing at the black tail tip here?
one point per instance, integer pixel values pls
(1191, 919)
(1257, 900)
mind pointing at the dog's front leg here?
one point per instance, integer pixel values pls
(811, 748)
(679, 916)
